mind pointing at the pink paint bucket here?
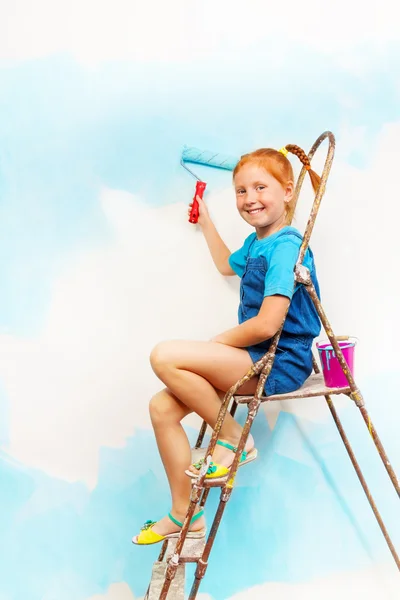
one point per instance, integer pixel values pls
(331, 369)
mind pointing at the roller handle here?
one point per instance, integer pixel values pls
(194, 213)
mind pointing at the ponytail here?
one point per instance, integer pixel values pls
(302, 156)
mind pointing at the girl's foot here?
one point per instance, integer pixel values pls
(223, 456)
(165, 526)
(170, 526)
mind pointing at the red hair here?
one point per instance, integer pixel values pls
(277, 165)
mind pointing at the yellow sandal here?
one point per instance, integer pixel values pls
(216, 470)
(147, 536)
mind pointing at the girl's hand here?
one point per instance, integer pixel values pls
(204, 216)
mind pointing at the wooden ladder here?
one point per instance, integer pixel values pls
(168, 577)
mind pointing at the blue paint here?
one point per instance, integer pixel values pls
(298, 510)
(124, 126)
(4, 417)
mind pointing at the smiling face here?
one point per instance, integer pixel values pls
(261, 199)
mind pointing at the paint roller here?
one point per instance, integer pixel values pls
(209, 159)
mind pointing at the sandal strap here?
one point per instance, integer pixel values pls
(193, 519)
(226, 445)
(197, 516)
(230, 447)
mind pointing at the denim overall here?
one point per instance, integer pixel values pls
(293, 360)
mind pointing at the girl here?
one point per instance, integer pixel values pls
(198, 374)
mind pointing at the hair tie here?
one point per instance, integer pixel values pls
(307, 167)
(283, 151)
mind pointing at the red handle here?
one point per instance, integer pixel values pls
(194, 213)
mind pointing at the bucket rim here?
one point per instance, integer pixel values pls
(350, 342)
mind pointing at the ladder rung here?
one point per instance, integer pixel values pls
(191, 552)
(313, 386)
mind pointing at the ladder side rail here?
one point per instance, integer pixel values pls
(355, 392)
(358, 471)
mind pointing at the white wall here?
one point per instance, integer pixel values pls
(98, 263)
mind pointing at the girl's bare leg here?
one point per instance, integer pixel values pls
(166, 413)
(193, 372)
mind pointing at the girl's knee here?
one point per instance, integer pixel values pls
(160, 356)
(155, 408)
(163, 408)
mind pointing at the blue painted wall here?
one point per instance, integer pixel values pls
(88, 149)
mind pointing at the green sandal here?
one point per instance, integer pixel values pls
(147, 536)
(216, 470)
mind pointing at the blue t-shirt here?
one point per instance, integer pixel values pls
(281, 252)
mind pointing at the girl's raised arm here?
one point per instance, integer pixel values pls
(220, 253)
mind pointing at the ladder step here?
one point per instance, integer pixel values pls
(191, 552)
(313, 386)
(177, 589)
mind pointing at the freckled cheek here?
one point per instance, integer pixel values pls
(270, 205)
